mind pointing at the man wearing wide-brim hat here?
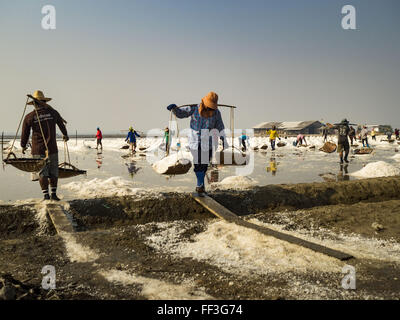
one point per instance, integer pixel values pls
(43, 121)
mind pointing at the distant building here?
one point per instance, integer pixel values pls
(290, 128)
(381, 128)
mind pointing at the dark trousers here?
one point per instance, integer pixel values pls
(200, 156)
(244, 144)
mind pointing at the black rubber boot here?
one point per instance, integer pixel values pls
(201, 191)
(54, 197)
(46, 197)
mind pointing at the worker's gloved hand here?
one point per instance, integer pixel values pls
(279, 139)
(171, 106)
(23, 150)
(65, 138)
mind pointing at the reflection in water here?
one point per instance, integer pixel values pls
(132, 169)
(99, 160)
(343, 174)
(273, 166)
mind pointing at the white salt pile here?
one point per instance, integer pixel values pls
(77, 252)
(236, 182)
(181, 160)
(239, 250)
(154, 289)
(377, 169)
(114, 186)
(396, 157)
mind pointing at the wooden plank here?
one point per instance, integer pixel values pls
(59, 218)
(223, 213)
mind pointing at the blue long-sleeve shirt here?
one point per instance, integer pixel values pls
(132, 136)
(200, 127)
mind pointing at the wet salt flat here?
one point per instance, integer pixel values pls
(108, 174)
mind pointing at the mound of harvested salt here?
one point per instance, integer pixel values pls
(173, 164)
(114, 186)
(237, 182)
(377, 169)
(396, 157)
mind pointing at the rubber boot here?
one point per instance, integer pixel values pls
(200, 183)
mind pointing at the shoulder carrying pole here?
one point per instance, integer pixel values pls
(16, 134)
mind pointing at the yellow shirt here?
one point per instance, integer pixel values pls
(273, 134)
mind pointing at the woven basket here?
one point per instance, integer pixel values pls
(67, 170)
(328, 147)
(281, 144)
(179, 168)
(363, 151)
(26, 164)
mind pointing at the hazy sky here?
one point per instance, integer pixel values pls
(119, 63)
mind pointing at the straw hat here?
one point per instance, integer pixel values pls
(39, 96)
(210, 100)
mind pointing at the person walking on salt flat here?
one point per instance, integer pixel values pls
(99, 137)
(343, 141)
(43, 123)
(131, 138)
(364, 137)
(273, 134)
(352, 135)
(373, 134)
(203, 118)
(167, 141)
(325, 133)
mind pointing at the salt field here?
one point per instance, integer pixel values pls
(109, 174)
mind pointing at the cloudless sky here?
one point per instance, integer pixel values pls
(119, 63)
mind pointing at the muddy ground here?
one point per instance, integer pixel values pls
(169, 247)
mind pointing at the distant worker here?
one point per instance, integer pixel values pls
(273, 134)
(325, 133)
(167, 140)
(364, 137)
(343, 141)
(352, 135)
(389, 134)
(300, 139)
(99, 137)
(397, 133)
(242, 139)
(131, 138)
(373, 134)
(44, 142)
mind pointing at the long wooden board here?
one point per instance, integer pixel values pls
(59, 218)
(221, 212)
